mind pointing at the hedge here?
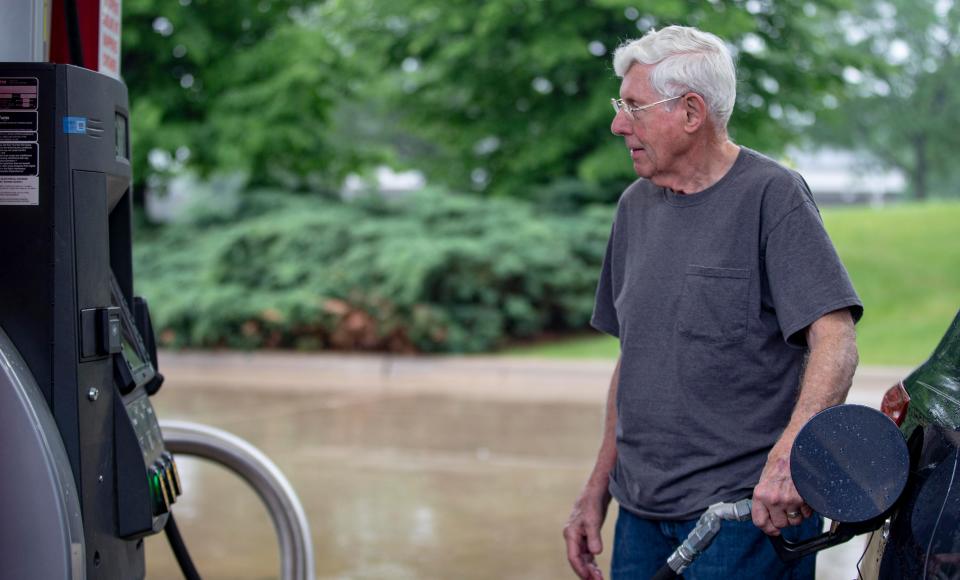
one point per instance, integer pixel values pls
(431, 272)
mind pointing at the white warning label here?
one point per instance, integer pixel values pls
(19, 144)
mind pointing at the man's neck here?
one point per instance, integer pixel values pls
(703, 166)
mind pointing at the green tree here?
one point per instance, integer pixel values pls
(899, 111)
(513, 95)
(502, 96)
(245, 85)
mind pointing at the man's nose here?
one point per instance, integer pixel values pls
(621, 124)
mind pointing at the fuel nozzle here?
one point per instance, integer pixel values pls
(703, 534)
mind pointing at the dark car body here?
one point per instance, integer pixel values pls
(921, 539)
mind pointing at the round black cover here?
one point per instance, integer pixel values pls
(850, 463)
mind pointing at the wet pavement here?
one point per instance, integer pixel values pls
(446, 468)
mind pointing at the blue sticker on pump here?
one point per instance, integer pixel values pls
(75, 125)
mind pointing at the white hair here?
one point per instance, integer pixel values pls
(686, 60)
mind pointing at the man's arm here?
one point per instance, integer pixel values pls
(829, 373)
(582, 531)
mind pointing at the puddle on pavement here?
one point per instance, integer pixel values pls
(404, 487)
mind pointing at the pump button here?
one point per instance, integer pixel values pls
(161, 503)
(167, 496)
(171, 487)
(176, 473)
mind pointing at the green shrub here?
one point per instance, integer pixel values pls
(432, 272)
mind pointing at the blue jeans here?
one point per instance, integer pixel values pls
(740, 550)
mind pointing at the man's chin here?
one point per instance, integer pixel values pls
(642, 169)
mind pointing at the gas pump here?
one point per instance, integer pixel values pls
(89, 473)
(88, 470)
(67, 300)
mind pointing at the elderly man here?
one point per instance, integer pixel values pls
(735, 319)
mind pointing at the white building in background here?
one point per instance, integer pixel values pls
(386, 181)
(837, 176)
(224, 190)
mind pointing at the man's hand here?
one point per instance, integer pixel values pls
(776, 503)
(582, 533)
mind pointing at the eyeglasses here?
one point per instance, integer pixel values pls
(620, 105)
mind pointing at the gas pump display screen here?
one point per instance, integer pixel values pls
(132, 349)
(129, 352)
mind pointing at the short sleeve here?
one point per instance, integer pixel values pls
(604, 316)
(805, 275)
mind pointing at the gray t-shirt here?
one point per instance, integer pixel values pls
(709, 294)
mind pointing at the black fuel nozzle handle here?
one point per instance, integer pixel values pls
(842, 532)
(790, 551)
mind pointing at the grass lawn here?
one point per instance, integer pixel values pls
(905, 264)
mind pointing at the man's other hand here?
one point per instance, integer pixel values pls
(582, 533)
(776, 503)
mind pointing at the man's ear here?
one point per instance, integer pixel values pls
(694, 112)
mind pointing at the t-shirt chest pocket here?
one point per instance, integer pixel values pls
(713, 305)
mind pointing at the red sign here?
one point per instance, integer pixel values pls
(98, 25)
